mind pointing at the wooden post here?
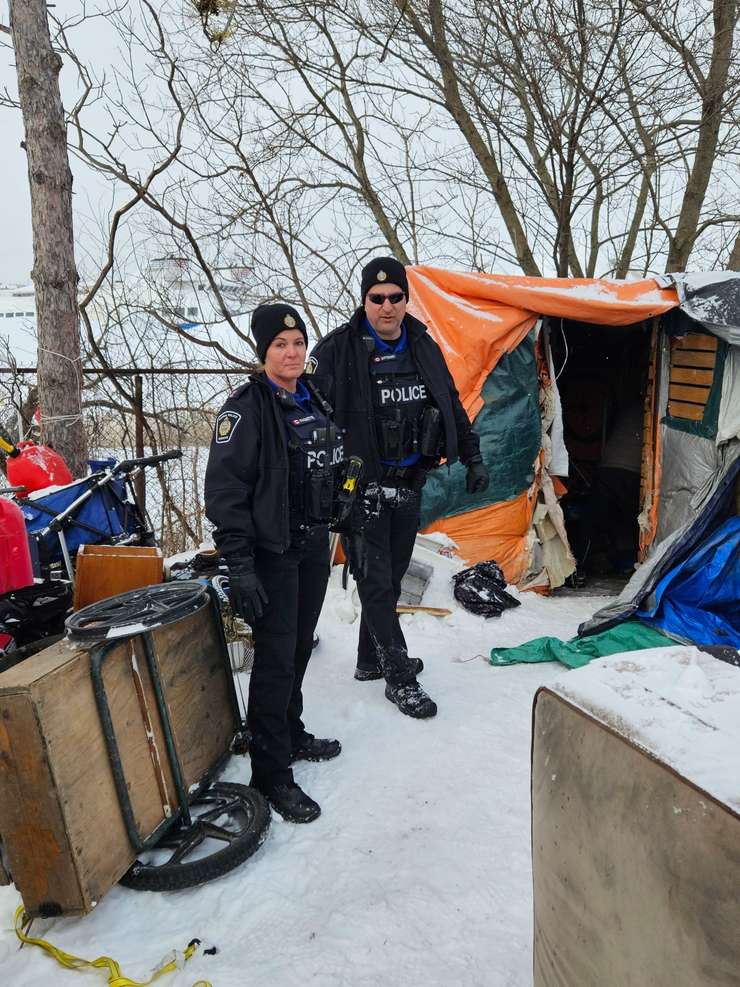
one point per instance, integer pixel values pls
(139, 417)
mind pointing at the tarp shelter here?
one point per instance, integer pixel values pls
(507, 340)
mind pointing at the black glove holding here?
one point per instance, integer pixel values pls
(476, 480)
(246, 596)
(354, 547)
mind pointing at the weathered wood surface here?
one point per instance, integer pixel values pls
(60, 816)
(107, 570)
(635, 868)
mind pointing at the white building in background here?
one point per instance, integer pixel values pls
(18, 324)
(167, 295)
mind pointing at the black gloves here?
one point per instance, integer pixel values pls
(246, 595)
(476, 480)
(354, 547)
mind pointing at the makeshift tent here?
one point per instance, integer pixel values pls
(519, 350)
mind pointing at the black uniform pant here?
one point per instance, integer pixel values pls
(389, 541)
(295, 584)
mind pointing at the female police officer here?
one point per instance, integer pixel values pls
(269, 487)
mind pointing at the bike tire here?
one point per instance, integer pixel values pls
(179, 876)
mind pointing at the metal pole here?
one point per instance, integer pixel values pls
(140, 480)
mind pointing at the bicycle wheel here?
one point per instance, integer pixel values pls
(229, 823)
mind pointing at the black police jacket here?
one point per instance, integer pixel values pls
(247, 476)
(341, 361)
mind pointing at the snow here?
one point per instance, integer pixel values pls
(678, 703)
(418, 870)
(597, 290)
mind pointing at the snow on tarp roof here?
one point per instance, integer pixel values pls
(476, 318)
(679, 704)
(712, 299)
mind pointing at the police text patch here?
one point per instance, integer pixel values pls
(226, 424)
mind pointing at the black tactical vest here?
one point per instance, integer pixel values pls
(315, 456)
(399, 399)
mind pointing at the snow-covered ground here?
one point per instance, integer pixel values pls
(418, 870)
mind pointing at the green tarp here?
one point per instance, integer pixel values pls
(510, 431)
(632, 635)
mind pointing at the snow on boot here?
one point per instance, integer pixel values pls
(316, 749)
(291, 802)
(368, 673)
(411, 700)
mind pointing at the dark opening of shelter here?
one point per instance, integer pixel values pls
(602, 375)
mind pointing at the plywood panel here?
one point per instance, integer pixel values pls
(635, 870)
(107, 570)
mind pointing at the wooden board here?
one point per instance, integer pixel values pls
(696, 341)
(677, 409)
(432, 611)
(60, 817)
(107, 570)
(635, 869)
(688, 375)
(684, 392)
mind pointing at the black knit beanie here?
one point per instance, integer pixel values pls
(384, 270)
(270, 320)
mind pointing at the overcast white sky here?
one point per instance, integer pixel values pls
(16, 254)
(16, 251)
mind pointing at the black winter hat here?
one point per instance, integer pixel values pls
(384, 270)
(270, 320)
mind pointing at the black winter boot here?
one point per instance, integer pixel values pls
(369, 673)
(290, 801)
(411, 700)
(316, 749)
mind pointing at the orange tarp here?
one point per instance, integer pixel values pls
(498, 532)
(476, 318)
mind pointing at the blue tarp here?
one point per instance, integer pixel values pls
(700, 598)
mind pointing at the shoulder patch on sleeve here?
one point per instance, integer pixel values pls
(311, 365)
(226, 425)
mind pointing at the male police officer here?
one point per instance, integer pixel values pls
(393, 395)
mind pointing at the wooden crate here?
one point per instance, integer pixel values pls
(60, 817)
(107, 570)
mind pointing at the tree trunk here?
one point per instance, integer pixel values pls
(54, 273)
(725, 19)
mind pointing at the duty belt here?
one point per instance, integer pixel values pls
(402, 475)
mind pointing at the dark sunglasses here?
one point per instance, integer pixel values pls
(394, 299)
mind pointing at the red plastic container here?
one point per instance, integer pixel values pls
(16, 570)
(37, 467)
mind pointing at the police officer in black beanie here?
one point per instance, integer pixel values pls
(270, 482)
(398, 406)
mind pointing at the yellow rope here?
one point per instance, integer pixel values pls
(115, 977)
